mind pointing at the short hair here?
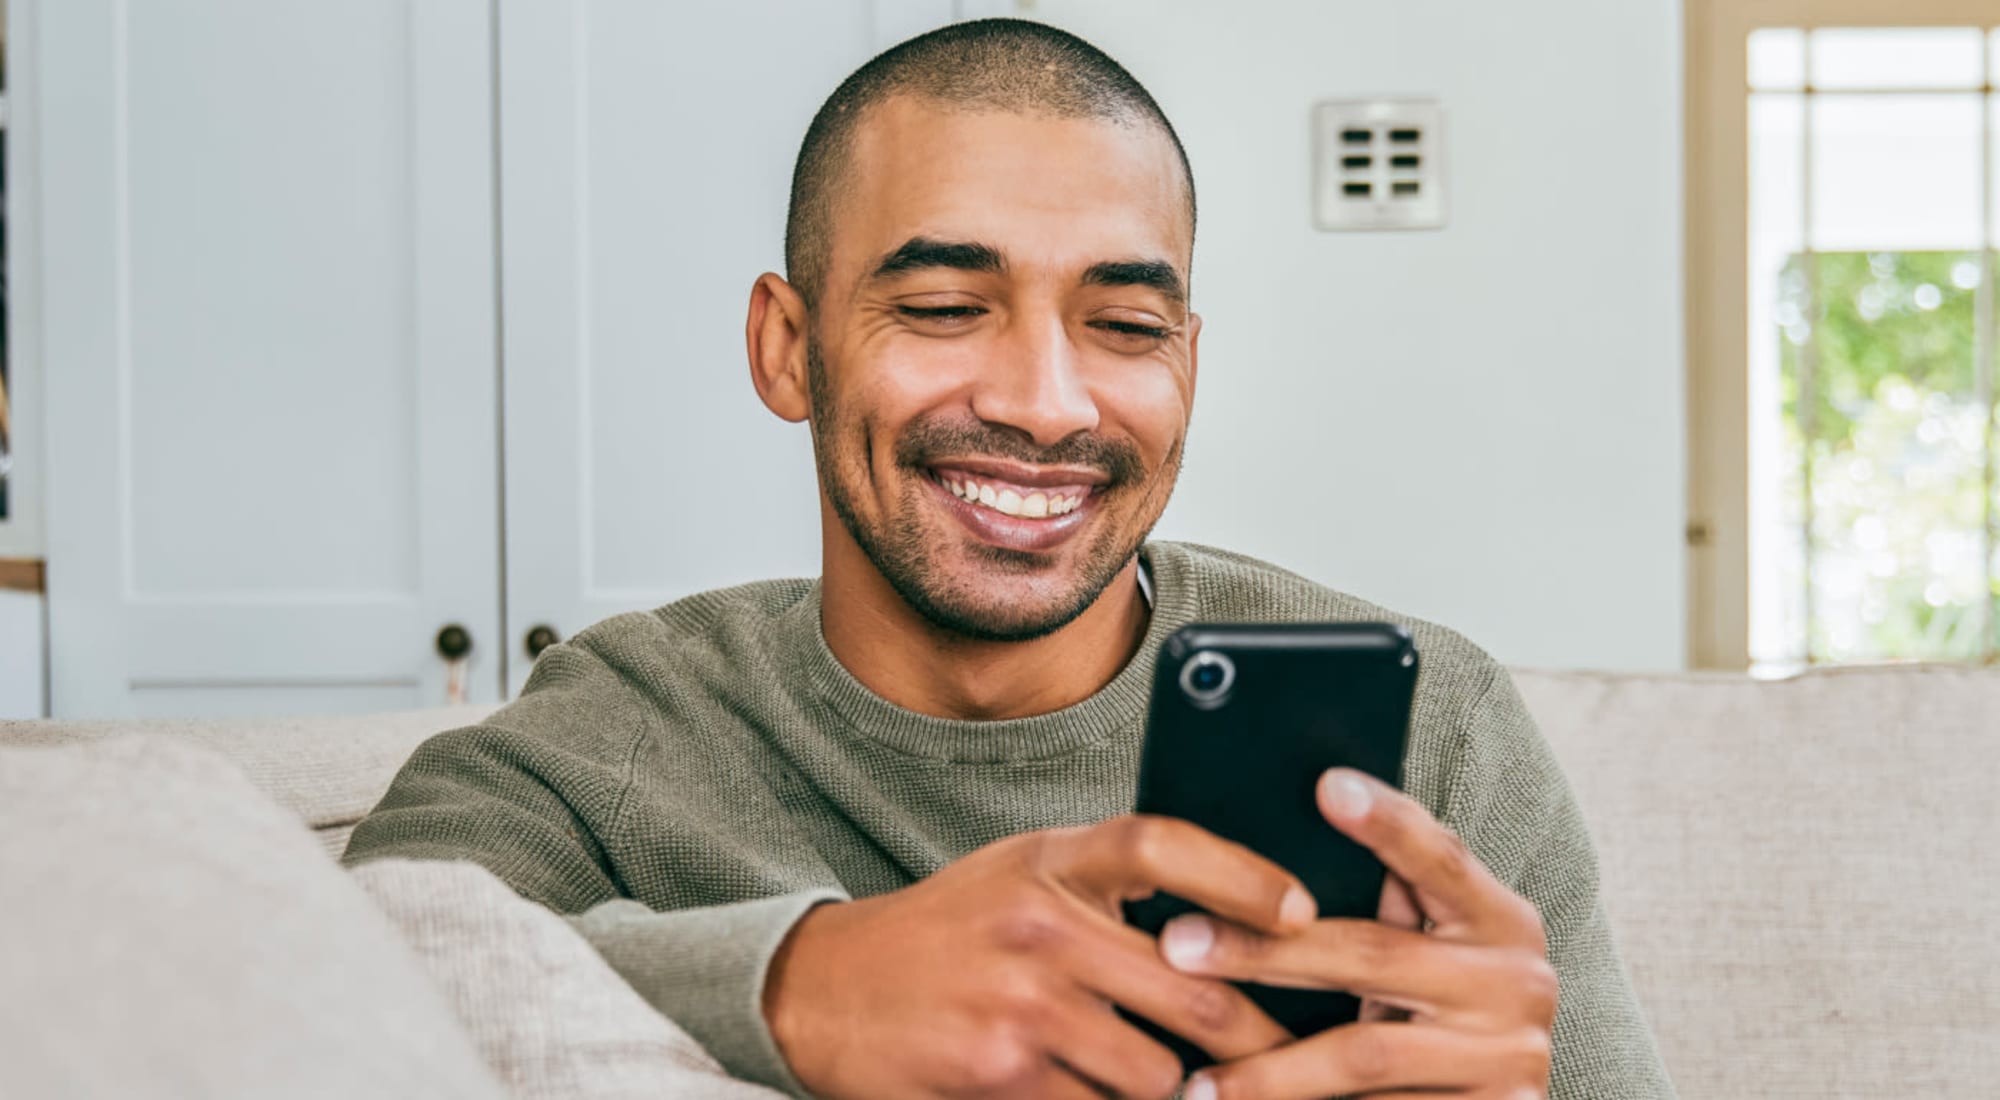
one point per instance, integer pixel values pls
(1011, 65)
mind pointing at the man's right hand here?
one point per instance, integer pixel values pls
(997, 976)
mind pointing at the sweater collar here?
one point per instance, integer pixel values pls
(1119, 706)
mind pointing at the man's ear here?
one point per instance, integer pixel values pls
(775, 334)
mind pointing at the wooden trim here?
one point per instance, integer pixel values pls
(1717, 178)
(1750, 14)
(23, 575)
(1717, 292)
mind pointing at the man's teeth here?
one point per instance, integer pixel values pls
(1009, 502)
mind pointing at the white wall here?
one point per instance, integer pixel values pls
(21, 694)
(1481, 425)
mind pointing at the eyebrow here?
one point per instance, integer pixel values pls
(1156, 274)
(919, 253)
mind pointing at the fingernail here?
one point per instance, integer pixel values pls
(1345, 793)
(1186, 939)
(1297, 908)
(1199, 1087)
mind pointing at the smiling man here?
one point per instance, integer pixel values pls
(867, 835)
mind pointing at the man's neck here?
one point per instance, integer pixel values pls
(908, 660)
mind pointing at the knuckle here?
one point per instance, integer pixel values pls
(1372, 948)
(1455, 862)
(1238, 948)
(1016, 994)
(1544, 988)
(1144, 841)
(1532, 1056)
(1531, 919)
(1030, 924)
(1367, 1057)
(1157, 1074)
(995, 1062)
(1213, 1007)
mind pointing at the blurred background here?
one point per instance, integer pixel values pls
(355, 350)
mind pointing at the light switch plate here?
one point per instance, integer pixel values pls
(1378, 164)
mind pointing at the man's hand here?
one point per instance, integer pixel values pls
(997, 975)
(1478, 991)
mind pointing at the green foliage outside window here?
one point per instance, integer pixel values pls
(1898, 445)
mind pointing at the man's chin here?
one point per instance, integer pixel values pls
(1002, 612)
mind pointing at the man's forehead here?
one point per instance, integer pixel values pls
(1036, 184)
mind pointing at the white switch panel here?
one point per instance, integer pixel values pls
(1378, 164)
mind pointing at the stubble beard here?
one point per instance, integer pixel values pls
(900, 548)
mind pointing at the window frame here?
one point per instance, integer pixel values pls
(1716, 178)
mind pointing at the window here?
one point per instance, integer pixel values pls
(1862, 522)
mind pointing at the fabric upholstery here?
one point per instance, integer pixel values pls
(166, 931)
(1803, 874)
(329, 771)
(1800, 873)
(550, 1017)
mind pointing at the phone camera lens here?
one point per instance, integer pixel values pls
(1207, 677)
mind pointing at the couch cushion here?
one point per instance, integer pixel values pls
(330, 771)
(1802, 873)
(552, 1019)
(169, 932)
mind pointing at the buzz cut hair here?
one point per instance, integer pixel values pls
(1011, 65)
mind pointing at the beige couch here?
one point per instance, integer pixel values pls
(1803, 874)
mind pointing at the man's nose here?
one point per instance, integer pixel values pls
(1036, 385)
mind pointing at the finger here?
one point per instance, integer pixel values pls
(1398, 910)
(1458, 983)
(1122, 965)
(1448, 881)
(1056, 1080)
(1370, 1059)
(1133, 856)
(1116, 1058)
(1399, 907)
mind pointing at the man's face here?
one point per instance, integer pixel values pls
(1002, 360)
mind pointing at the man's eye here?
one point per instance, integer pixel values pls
(940, 313)
(1127, 328)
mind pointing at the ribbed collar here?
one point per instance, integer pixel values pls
(1119, 705)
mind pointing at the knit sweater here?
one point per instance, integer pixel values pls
(686, 782)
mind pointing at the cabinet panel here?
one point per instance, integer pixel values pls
(269, 322)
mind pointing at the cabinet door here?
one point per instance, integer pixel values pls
(646, 155)
(270, 335)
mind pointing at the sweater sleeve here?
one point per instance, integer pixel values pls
(705, 970)
(531, 794)
(1511, 804)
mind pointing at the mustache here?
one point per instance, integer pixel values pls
(928, 439)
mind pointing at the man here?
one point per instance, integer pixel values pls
(868, 836)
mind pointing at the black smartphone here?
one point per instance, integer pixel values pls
(1244, 720)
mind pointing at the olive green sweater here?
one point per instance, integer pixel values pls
(687, 782)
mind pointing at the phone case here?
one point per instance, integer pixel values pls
(1242, 759)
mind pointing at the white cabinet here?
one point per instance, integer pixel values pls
(269, 334)
(327, 282)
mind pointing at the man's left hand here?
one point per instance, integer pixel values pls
(1478, 990)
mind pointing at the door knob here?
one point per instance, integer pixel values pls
(541, 636)
(453, 642)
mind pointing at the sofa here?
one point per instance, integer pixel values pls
(1804, 876)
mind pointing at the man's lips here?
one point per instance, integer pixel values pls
(1063, 509)
(1000, 472)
